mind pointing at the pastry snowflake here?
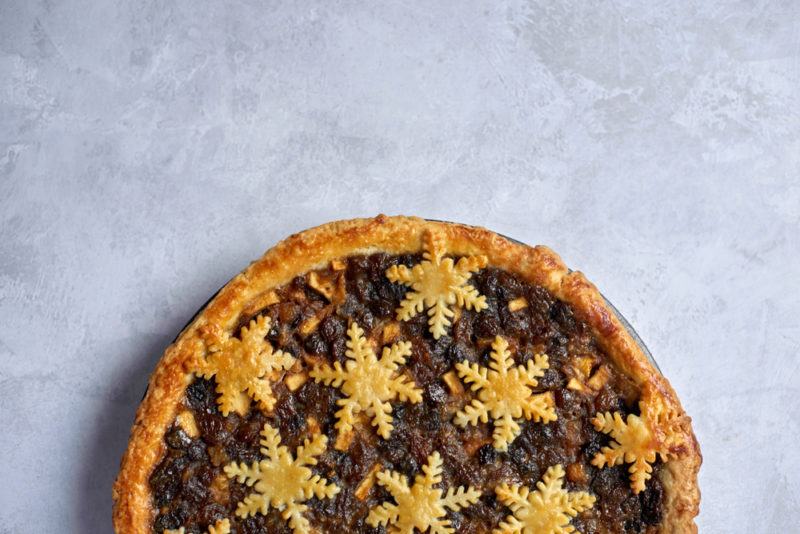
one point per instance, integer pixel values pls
(282, 482)
(504, 393)
(547, 510)
(368, 383)
(637, 440)
(242, 366)
(421, 506)
(223, 526)
(438, 284)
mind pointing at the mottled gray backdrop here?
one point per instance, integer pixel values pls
(149, 150)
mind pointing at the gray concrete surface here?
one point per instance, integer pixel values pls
(149, 150)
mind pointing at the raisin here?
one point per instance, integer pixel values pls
(289, 421)
(516, 324)
(551, 379)
(651, 501)
(523, 455)
(211, 513)
(365, 319)
(509, 286)
(608, 401)
(456, 521)
(249, 431)
(487, 454)
(166, 479)
(195, 489)
(274, 333)
(271, 522)
(594, 443)
(633, 525)
(486, 327)
(177, 438)
(318, 401)
(363, 456)
(568, 401)
(332, 328)
(435, 393)
(314, 344)
(609, 483)
(241, 452)
(347, 469)
(197, 450)
(458, 353)
(430, 420)
(487, 282)
(557, 349)
(169, 520)
(462, 329)
(383, 309)
(213, 428)
(201, 395)
(562, 314)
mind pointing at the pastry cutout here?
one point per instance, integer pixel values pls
(438, 284)
(547, 510)
(368, 383)
(282, 482)
(504, 393)
(223, 526)
(243, 366)
(638, 440)
(421, 506)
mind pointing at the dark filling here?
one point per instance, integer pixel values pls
(190, 490)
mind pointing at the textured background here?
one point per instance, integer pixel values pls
(149, 150)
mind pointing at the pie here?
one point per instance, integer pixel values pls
(401, 375)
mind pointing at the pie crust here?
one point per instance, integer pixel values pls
(668, 433)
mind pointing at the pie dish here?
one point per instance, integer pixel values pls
(402, 375)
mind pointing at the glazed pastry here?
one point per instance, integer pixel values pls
(400, 375)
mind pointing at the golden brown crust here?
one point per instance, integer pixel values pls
(133, 510)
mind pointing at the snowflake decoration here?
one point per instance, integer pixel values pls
(223, 526)
(437, 284)
(505, 394)
(243, 366)
(548, 510)
(638, 439)
(421, 506)
(282, 482)
(368, 383)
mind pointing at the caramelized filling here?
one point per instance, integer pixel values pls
(309, 320)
